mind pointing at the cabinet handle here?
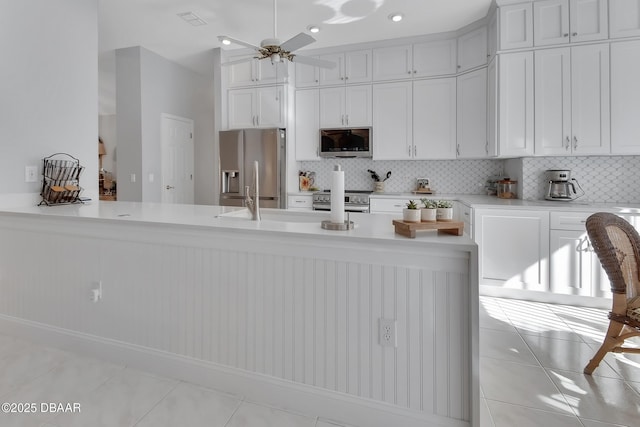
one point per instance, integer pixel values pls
(415, 151)
(568, 143)
(486, 147)
(457, 149)
(415, 71)
(409, 150)
(346, 77)
(575, 142)
(409, 72)
(574, 34)
(565, 35)
(346, 119)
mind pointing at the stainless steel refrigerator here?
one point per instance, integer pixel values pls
(238, 151)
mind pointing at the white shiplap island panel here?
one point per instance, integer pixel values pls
(283, 314)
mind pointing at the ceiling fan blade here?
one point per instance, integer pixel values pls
(297, 42)
(239, 61)
(313, 61)
(240, 42)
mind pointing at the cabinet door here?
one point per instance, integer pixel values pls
(392, 63)
(357, 108)
(434, 119)
(553, 101)
(551, 22)
(332, 107)
(516, 26)
(436, 58)
(332, 76)
(625, 97)
(492, 107)
(570, 262)
(241, 108)
(515, 80)
(493, 41)
(472, 114)
(306, 75)
(241, 74)
(306, 124)
(357, 66)
(392, 124)
(590, 120)
(624, 18)
(472, 49)
(268, 73)
(588, 20)
(270, 107)
(513, 248)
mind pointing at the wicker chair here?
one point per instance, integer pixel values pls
(617, 245)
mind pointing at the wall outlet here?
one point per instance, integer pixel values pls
(388, 333)
(423, 183)
(30, 174)
(96, 292)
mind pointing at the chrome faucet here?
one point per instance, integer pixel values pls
(253, 204)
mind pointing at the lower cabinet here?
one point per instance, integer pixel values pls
(513, 248)
(300, 202)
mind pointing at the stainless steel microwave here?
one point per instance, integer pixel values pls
(351, 142)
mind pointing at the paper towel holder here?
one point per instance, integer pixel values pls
(347, 225)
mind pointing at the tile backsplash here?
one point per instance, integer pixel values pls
(609, 179)
(447, 176)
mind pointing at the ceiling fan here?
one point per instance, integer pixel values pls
(276, 51)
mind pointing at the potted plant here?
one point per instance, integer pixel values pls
(445, 210)
(429, 210)
(411, 213)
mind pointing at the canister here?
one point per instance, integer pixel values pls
(507, 189)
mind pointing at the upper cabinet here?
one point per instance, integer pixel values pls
(624, 18)
(255, 72)
(427, 59)
(392, 121)
(262, 107)
(472, 49)
(307, 75)
(472, 115)
(306, 124)
(345, 106)
(625, 97)
(564, 21)
(351, 67)
(516, 26)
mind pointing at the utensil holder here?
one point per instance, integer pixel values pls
(378, 187)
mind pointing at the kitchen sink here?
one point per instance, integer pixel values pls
(279, 215)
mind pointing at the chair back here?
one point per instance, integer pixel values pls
(617, 245)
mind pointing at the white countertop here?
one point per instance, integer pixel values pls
(482, 201)
(370, 227)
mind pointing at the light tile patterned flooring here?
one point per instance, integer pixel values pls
(531, 361)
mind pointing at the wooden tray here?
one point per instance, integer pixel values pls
(409, 228)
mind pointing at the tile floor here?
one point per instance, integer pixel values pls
(531, 361)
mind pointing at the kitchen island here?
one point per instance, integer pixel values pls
(280, 311)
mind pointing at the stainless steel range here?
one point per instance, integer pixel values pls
(354, 201)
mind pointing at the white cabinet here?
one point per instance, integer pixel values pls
(392, 63)
(426, 59)
(492, 35)
(435, 58)
(515, 106)
(572, 100)
(345, 106)
(472, 49)
(255, 72)
(625, 97)
(434, 119)
(386, 205)
(351, 67)
(564, 21)
(492, 108)
(392, 121)
(256, 107)
(307, 124)
(472, 114)
(307, 75)
(574, 268)
(624, 18)
(516, 26)
(513, 248)
(300, 202)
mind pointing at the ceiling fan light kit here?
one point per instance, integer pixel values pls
(274, 50)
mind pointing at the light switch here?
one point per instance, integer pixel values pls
(133, 177)
(30, 174)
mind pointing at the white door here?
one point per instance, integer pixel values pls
(434, 119)
(177, 159)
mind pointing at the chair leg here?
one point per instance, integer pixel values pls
(610, 341)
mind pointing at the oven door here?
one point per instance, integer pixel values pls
(347, 208)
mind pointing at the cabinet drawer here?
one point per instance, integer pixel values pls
(386, 205)
(568, 220)
(300, 202)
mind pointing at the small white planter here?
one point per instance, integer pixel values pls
(428, 214)
(444, 214)
(411, 215)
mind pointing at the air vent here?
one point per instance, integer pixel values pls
(192, 19)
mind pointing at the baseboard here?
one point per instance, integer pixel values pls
(546, 297)
(300, 398)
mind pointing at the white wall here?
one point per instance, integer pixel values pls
(148, 85)
(48, 88)
(107, 131)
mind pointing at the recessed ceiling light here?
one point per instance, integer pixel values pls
(313, 29)
(396, 17)
(224, 40)
(192, 18)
